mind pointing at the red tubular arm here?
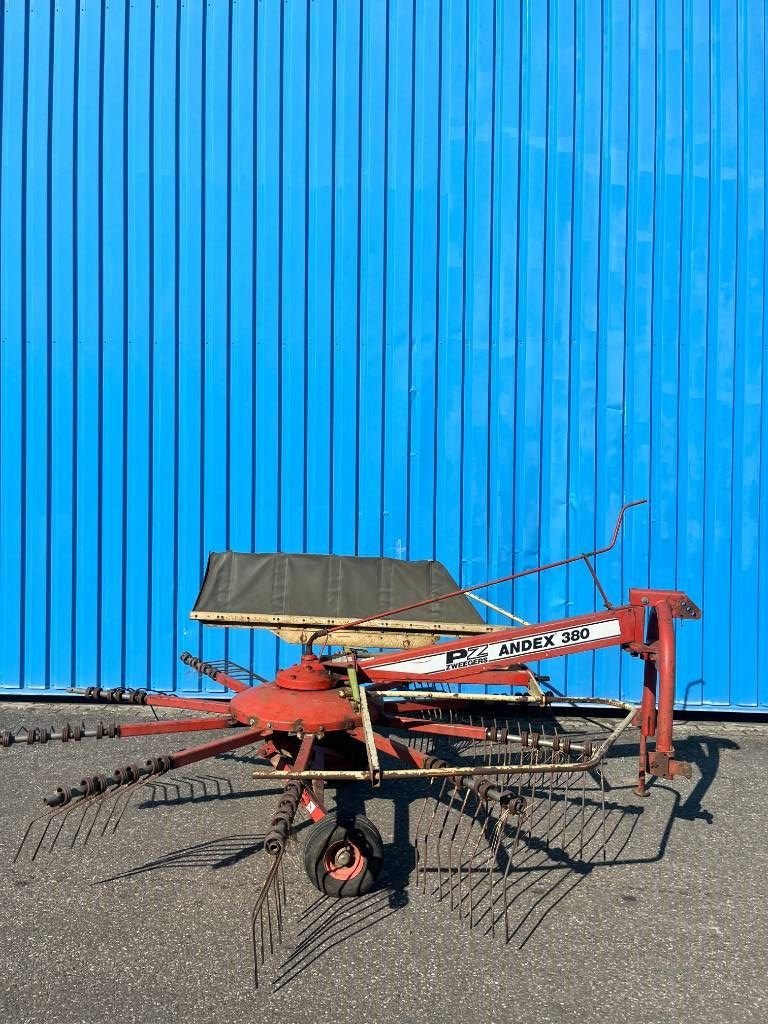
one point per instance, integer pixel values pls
(176, 725)
(241, 738)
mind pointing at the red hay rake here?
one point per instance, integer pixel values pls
(498, 788)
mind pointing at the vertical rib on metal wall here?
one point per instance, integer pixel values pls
(442, 278)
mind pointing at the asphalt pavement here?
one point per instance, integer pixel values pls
(152, 922)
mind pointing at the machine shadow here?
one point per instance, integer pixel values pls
(328, 921)
(705, 753)
(540, 881)
(222, 852)
(538, 877)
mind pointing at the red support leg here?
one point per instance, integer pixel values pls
(648, 706)
(667, 677)
(661, 762)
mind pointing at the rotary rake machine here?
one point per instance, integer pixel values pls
(502, 783)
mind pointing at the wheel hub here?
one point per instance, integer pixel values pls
(343, 861)
(343, 858)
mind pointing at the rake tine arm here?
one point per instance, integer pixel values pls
(118, 695)
(176, 725)
(98, 784)
(208, 707)
(409, 755)
(189, 755)
(114, 730)
(213, 672)
(420, 725)
(274, 884)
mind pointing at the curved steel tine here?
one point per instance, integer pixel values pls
(276, 887)
(436, 802)
(463, 847)
(131, 791)
(480, 837)
(555, 760)
(510, 859)
(24, 837)
(122, 796)
(417, 855)
(583, 802)
(117, 794)
(440, 832)
(257, 914)
(496, 839)
(282, 881)
(566, 788)
(86, 808)
(269, 925)
(459, 819)
(99, 805)
(449, 809)
(45, 832)
(65, 810)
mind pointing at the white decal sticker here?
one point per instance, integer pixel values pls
(470, 657)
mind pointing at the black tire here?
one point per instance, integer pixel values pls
(358, 837)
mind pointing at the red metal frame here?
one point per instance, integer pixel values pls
(304, 699)
(310, 712)
(398, 667)
(644, 628)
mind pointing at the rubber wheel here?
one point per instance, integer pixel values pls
(343, 856)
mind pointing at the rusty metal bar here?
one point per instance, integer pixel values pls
(374, 768)
(598, 584)
(464, 772)
(304, 756)
(470, 698)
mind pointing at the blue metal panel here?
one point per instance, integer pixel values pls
(425, 278)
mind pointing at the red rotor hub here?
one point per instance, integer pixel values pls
(303, 698)
(309, 674)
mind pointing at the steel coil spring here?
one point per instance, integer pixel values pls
(198, 665)
(280, 826)
(126, 775)
(115, 695)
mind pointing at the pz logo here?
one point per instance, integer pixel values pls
(465, 654)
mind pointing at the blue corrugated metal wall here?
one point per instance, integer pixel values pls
(441, 278)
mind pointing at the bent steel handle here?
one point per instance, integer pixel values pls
(488, 583)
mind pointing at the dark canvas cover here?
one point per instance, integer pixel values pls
(328, 586)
